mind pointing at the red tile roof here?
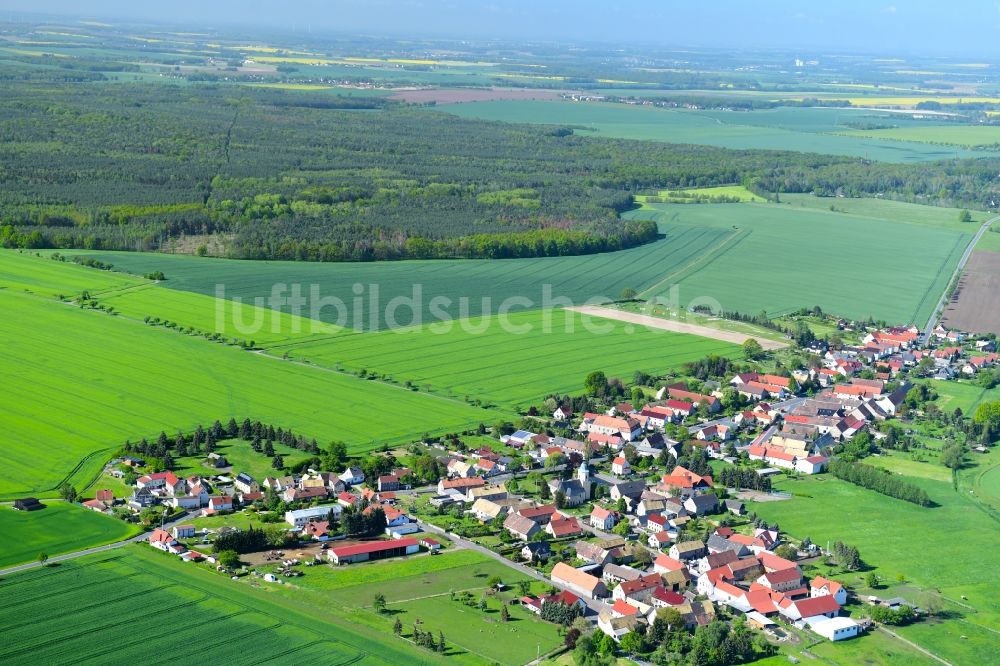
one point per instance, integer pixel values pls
(372, 547)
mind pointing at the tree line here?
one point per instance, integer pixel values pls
(879, 480)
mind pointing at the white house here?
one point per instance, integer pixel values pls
(820, 586)
(352, 476)
(836, 629)
(620, 466)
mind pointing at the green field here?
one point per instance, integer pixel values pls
(121, 608)
(957, 135)
(964, 395)
(58, 528)
(113, 378)
(711, 250)
(514, 360)
(943, 552)
(206, 313)
(809, 130)
(775, 251)
(679, 196)
(420, 588)
(990, 241)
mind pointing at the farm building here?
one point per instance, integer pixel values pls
(374, 550)
(28, 504)
(302, 516)
(836, 629)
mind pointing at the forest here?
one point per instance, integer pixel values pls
(274, 174)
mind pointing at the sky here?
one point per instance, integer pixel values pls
(964, 28)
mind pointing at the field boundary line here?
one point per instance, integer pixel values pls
(674, 326)
(711, 253)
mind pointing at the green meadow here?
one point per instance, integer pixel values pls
(121, 607)
(812, 131)
(946, 555)
(87, 380)
(512, 360)
(58, 528)
(964, 395)
(419, 589)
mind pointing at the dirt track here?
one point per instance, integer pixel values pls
(676, 326)
(976, 305)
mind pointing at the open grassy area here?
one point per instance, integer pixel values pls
(964, 395)
(242, 458)
(513, 360)
(121, 607)
(990, 241)
(733, 191)
(943, 552)
(58, 528)
(419, 588)
(114, 378)
(812, 130)
(769, 263)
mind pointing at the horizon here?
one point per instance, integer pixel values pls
(903, 29)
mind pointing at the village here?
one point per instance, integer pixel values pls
(626, 513)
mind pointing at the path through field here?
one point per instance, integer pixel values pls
(676, 326)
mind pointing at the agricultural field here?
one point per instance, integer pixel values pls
(120, 607)
(813, 131)
(114, 378)
(702, 247)
(775, 249)
(420, 588)
(975, 306)
(967, 136)
(27, 272)
(897, 538)
(471, 287)
(512, 360)
(28, 533)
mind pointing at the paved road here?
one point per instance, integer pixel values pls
(593, 604)
(939, 308)
(89, 551)
(783, 406)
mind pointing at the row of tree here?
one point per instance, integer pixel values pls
(879, 480)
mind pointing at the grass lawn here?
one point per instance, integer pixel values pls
(125, 605)
(114, 379)
(943, 552)
(515, 361)
(58, 528)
